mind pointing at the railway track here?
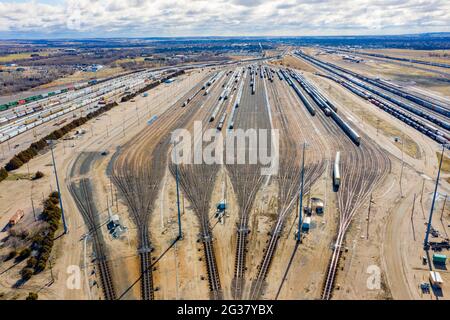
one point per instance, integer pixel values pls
(82, 193)
(193, 178)
(293, 123)
(246, 178)
(363, 169)
(138, 172)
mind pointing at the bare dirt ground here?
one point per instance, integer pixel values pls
(104, 133)
(389, 240)
(395, 243)
(80, 76)
(289, 61)
(425, 55)
(388, 70)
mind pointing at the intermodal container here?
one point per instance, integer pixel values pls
(439, 258)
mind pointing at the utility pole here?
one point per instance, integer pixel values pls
(51, 143)
(401, 170)
(412, 216)
(32, 206)
(423, 185)
(368, 217)
(443, 207)
(300, 211)
(425, 242)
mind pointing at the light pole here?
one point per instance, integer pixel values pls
(180, 235)
(425, 242)
(51, 143)
(300, 213)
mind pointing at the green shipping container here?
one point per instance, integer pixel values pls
(439, 258)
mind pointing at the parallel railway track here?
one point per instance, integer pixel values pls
(363, 169)
(138, 173)
(292, 132)
(246, 178)
(82, 193)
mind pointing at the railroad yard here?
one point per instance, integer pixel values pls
(342, 213)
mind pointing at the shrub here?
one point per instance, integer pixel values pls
(32, 296)
(38, 175)
(14, 163)
(54, 195)
(24, 253)
(31, 262)
(40, 266)
(11, 254)
(26, 273)
(3, 174)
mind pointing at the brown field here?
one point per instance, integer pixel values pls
(83, 76)
(291, 62)
(22, 56)
(426, 55)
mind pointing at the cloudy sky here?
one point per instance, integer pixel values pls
(148, 18)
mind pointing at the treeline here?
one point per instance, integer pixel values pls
(42, 243)
(26, 155)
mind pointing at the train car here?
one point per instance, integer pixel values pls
(29, 121)
(221, 122)
(336, 171)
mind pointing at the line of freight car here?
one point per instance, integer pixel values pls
(288, 79)
(210, 81)
(191, 97)
(420, 101)
(50, 105)
(328, 67)
(442, 123)
(428, 63)
(24, 101)
(12, 131)
(215, 111)
(352, 134)
(416, 124)
(428, 130)
(280, 76)
(221, 122)
(411, 97)
(304, 100)
(327, 103)
(231, 118)
(319, 100)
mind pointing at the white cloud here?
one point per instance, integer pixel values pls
(220, 17)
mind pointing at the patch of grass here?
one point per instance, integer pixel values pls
(18, 176)
(292, 62)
